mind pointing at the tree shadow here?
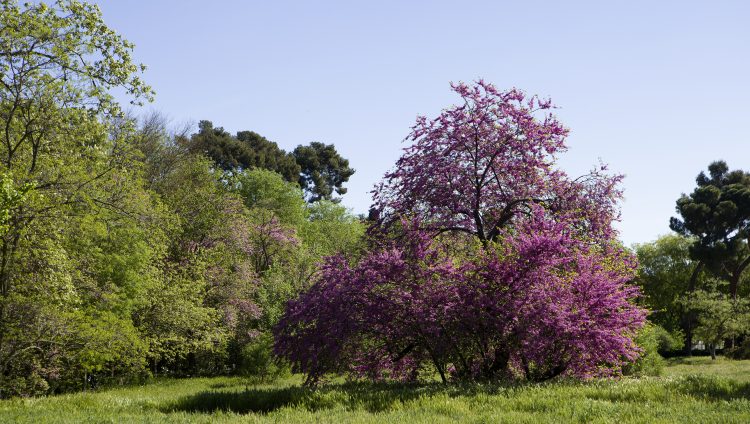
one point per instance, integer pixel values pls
(249, 400)
(712, 388)
(372, 397)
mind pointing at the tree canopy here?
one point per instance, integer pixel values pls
(717, 214)
(486, 262)
(246, 150)
(323, 170)
(124, 252)
(318, 167)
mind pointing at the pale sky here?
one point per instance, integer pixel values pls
(656, 89)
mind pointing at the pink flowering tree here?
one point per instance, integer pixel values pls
(494, 264)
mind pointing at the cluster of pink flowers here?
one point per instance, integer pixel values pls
(493, 265)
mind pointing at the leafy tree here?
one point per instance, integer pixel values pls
(58, 64)
(323, 170)
(204, 304)
(489, 262)
(665, 275)
(246, 151)
(720, 317)
(717, 214)
(650, 362)
(66, 171)
(264, 189)
(270, 156)
(331, 229)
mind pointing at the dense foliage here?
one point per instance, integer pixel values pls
(128, 251)
(488, 262)
(717, 214)
(123, 252)
(318, 167)
(323, 170)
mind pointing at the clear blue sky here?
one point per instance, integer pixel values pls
(657, 89)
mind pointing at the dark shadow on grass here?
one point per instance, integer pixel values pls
(712, 388)
(381, 397)
(372, 397)
(219, 385)
(249, 400)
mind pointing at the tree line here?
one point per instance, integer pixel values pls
(696, 281)
(127, 250)
(130, 250)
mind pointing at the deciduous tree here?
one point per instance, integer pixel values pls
(491, 262)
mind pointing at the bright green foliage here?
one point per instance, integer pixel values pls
(668, 341)
(323, 170)
(10, 199)
(650, 362)
(70, 198)
(264, 189)
(720, 317)
(331, 229)
(258, 360)
(664, 273)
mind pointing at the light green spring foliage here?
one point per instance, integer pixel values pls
(331, 229)
(11, 197)
(650, 361)
(663, 275)
(267, 190)
(693, 390)
(72, 258)
(719, 316)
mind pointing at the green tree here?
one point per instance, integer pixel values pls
(58, 65)
(323, 170)
(59, 149)
(264, 189)
(665, 276)
(331, 229)
(247, 150)
(720, 317)
(717, 214)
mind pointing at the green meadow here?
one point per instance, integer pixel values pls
(690, 390)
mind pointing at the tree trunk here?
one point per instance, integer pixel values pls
(689, 317)
(712, 349)
(734, 279)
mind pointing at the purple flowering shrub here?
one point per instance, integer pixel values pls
(493, 264)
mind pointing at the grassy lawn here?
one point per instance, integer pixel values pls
(692, 390)
(735, 370)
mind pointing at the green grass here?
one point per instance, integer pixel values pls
(735, 370)
(692, 390)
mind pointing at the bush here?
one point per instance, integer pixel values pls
(258, 360)
(668, 342)
(649, 339)
(740, 351)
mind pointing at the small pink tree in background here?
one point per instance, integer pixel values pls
(495, 264)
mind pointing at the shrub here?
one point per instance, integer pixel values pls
(258, 360)
(648, 339)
